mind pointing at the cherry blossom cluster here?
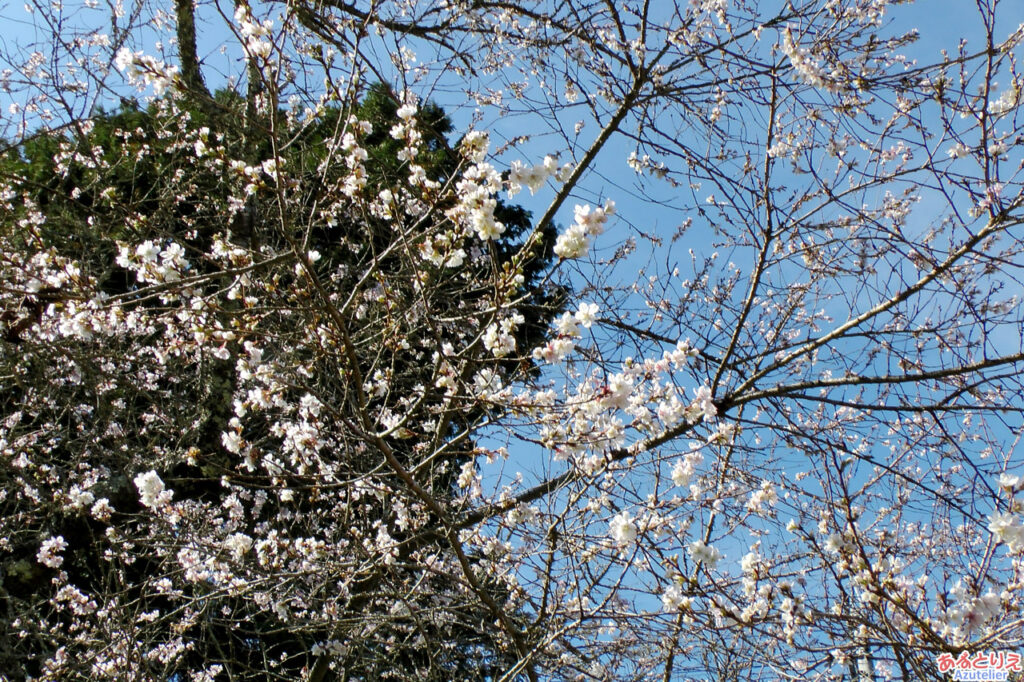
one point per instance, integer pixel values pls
(805, 64)
(589, 223)
(535, 176)
(154, 263)
(477, 190)
(255, 34)
(146, 71)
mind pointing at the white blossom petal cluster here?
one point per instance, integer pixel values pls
(1007, 102)
(255, 34)
(704, 554)
(968, 613)
(443, 250)
(673, 599)
(50, 549)
(805, 65)
(152, 491)
(623, 529)
(355, 156)
(73, 599)
(589, 222)
(477, 189)
(535, 176)
(474, 146)
(586, 314)
(153, 262)
(238, 544)
(407, 130)
(1008, 529)
(686, 466)
(762, 500)
(145, 70)
(499, 337)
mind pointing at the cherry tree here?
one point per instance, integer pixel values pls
(293, 391)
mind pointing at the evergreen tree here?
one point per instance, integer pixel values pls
(131, 197)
